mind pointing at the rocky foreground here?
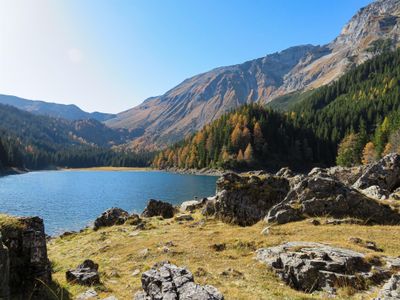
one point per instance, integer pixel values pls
(330, 233)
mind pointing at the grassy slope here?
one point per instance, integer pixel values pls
(115, 250)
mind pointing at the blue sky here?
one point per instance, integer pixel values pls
(111, 55)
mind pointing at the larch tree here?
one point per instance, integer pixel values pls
(369, 153)
(248, 153)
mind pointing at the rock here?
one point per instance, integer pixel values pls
(85, 274)
(395, 195)
(134, 220)
(315, 222)
(167, 281)
(111, 217)
(192, 205)
(28, 261)
(246, 200)
(266, 230)
(385, 173)
(375, 192)
(111, 298)
(218, 247)
(366, 244)
(347, 176)
(135, 272)
(158, 208)
(89, 294)
(391, 289)
(285, 173)
(144, 252)
(182, 218)
(350, 221)
(4, 271)
(67, 233)
(310, 266)
(321, 195)
(232, 273)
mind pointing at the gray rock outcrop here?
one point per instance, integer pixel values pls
(28, 261)
(85, 274)
(4, 271)
(167, 281)
(111, 217)
(391, 289)
(321, 195)
(385, 174)
(158, 208)
(246, 200)
(310, 266)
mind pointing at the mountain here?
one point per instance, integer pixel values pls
(362, 105)
(37, 142)
(205, 97)
(54, 133)
(68, 112)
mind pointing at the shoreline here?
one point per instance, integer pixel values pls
(105, 169)
(201, 172)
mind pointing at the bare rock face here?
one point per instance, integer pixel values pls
(85, 274)
(4, 271)
(391, 289)
(158, 208)
(167, 281)
(385, 174)
(321, 195)
(310, 266)
(28, 261)
(246, 200)
(111, 217)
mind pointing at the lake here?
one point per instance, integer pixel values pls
(71, 200)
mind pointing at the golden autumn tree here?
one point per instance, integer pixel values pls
(240, 156)
(248, 153)
(258, 137)
(369, 153)
(388, 149)
(236, 136)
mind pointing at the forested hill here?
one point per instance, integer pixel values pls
(310, 132)
(37, 142)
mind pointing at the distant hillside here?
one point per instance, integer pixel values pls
(206, 97)
(33, 141)
(68, 112)
(309, 132)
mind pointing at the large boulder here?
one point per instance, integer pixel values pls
(391, 289)
(245, 200)
(158, 208)
(4, 271)
(385, 173)
(321, 195)
(85, 274)
(348, 176)
(111, 217)
(310, 266)
(25, 240)
(167, 281)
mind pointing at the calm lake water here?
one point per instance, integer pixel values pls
(70, 200)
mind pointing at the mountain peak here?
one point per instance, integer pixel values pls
(204, 97)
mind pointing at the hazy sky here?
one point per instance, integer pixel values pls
(110, 55)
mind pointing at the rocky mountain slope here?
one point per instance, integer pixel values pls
(203, 98)
(68, 112)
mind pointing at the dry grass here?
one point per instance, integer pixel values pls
(8, 222)
(119, 254)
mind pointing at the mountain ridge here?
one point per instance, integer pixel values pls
(66, 111)
(202, 98)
